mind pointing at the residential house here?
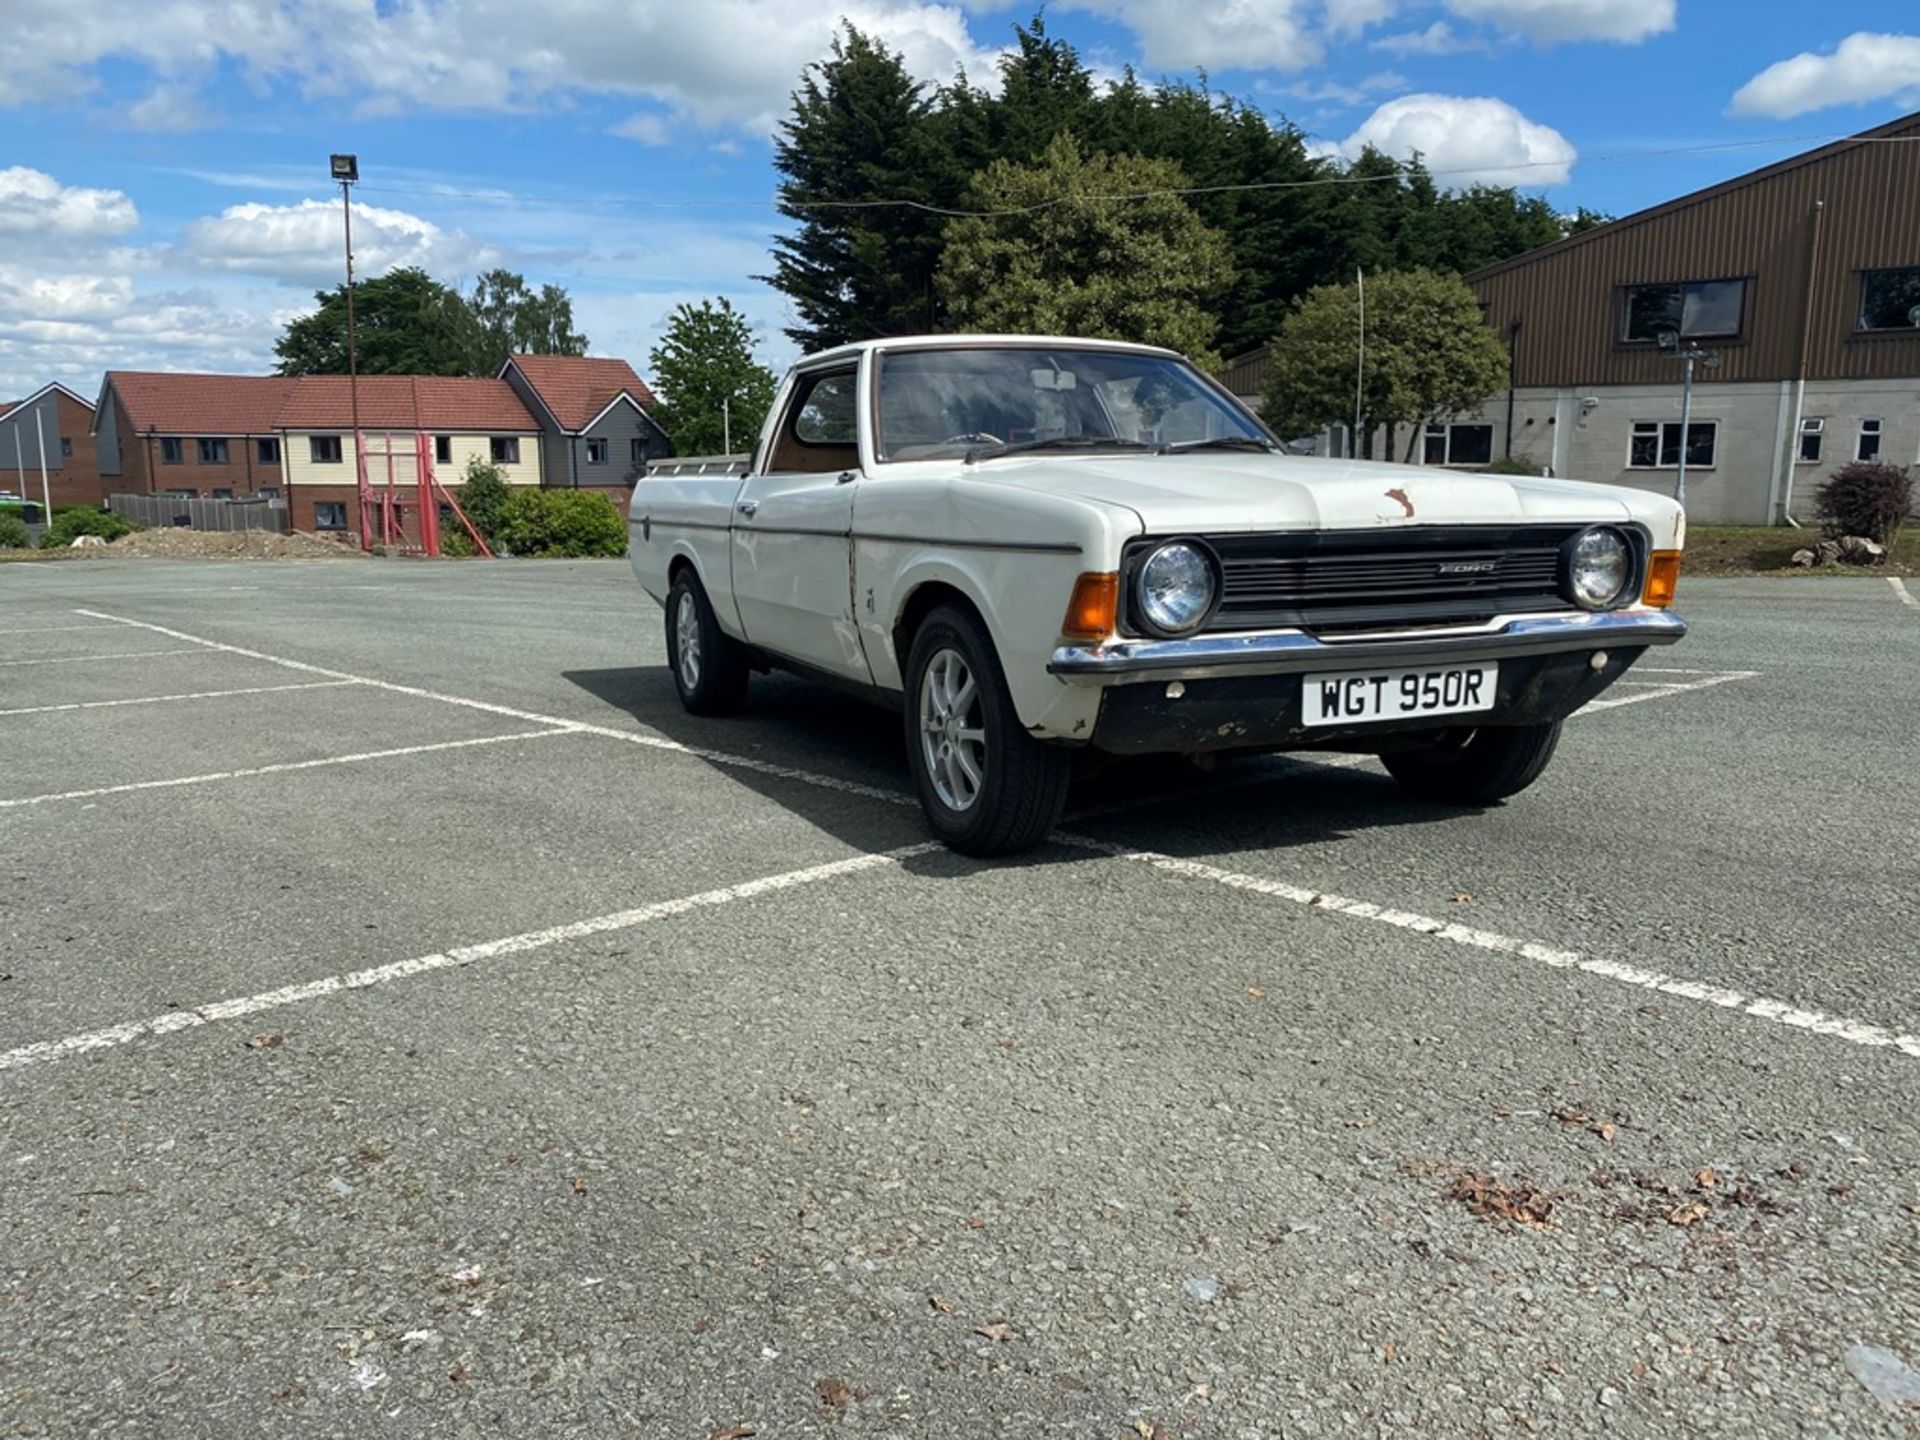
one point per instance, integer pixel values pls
(464, 418)
(49, 434)
(214, 437)
(596, 429)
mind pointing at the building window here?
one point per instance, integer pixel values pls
(66, 448)
(178, 494)
(268, 451)
(637, 452)
(596, 451)
(223, 492)
(1698, 310)
(324, 450)
(170, 451)
(1813, 432)
(268, 492)
(213, 452)
(506, 449)
(330, 515)
(1458, 445)
(1656, 444)
(443, 449)
(1868, 446)
(1890, 299)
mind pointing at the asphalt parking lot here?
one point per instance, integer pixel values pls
(412, 1024)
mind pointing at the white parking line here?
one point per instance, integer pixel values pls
(1708, 680)
(281, 769)
(631, 737)
(195, 695)
(45, 1051)
(90, 659)
(1777, 1012)
(55, 629)
(1907, 597)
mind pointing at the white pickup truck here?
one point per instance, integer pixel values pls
(1036, 545)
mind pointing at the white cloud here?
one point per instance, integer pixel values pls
(168, 107)
(35, 206)
(302, 243)
(1465, 141)
(1331, 92)
(1865, 68)
(1222, 35)
(1350, 17)
(1439, 38)
(648, 127)
(1549, 22)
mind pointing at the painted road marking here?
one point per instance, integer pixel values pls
(89, 659)
(631, 737)
(1777, 1012)
(45, 1051)
(282, 769)
(1708, 680)
(196, 695)
(1907, 597)
(56, 629)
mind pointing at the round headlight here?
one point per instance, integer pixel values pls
(1176, 587)
(1599, 568)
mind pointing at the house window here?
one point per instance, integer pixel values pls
(596, 451)
(1697, 310)
(1458, 445)
(1656, 444)
(443, 449)
(324, 450)
(1813, 433)
(1890, 299)
(1868, 446)
(330, 515)
(268, 451)
(213, 452)
(637, 453)
(506, 449)
(66, 448)
(268, 492)
(223, 492)
(170, 451)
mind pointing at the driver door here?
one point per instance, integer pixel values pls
(792, 529)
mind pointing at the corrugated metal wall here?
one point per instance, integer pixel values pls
(1569, 300)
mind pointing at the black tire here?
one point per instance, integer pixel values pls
(715, 683)
(1022, 785)
(1475, 767)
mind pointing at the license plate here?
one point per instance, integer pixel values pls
(1357, 697)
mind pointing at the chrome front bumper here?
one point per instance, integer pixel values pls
(1281, 652)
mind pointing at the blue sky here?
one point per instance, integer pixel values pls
(163, 201)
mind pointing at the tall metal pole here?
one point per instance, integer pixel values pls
(46, 494)
(726, 425)
(1360, 375)
(1686, 427)
(353, 369)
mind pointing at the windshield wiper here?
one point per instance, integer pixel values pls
(1055, 442)
(1223, 442)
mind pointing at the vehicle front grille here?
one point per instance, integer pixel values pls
(1427, 575)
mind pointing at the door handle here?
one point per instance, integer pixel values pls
(748, 507)
(846, 477)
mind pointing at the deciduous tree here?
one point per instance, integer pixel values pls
(705, 358)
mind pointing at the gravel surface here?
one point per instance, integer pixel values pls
(1080, 1145)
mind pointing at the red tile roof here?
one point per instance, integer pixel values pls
(405, 402)
(200, 404)
(576, 388)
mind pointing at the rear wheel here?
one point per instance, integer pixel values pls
(709, 666)
(987, 786)
(1475, 767)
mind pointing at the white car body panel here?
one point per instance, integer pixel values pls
(1012, 534)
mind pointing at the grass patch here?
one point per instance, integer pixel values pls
(1768, 550)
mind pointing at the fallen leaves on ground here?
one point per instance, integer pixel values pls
(733, 1432)
(1461, 897)
(1256, 992)
(1605, 1129)
(578, 1185)
(265, 1040)
(941, 1303)
(997, 1331)
(1490, 1199)
(1689, 1215)
(1706, 1179)
(834, 1392)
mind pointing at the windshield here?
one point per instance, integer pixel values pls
(981, 400)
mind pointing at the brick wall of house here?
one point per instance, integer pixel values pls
(146, 470)
(73, 471)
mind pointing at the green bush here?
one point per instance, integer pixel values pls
(70, 525)
(483, 495)
(1865, 499)
(561, 523)
(13, 532)
(1513, 465)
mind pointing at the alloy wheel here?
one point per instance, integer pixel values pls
(953, 741)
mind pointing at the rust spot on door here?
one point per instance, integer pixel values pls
(1399, 495)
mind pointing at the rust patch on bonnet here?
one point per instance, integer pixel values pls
(1399, 496)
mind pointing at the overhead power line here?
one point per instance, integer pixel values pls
(1246, 187)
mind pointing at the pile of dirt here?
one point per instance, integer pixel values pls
(231, 545)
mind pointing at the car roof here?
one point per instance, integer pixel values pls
(961, 342)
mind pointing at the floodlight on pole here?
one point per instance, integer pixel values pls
(1689, 354)
(345, 169)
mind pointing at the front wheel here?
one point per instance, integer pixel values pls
(1475, 767)
(987, 786)
(709, 668)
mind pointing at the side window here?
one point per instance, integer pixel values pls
(820, 430)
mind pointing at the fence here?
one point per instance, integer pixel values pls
(178, 510)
